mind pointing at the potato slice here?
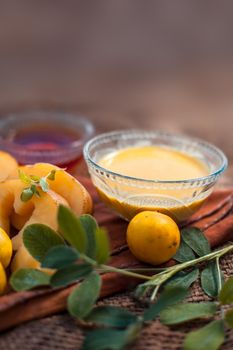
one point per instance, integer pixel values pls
(8, 166)
(20, 207)
(45, 212)
(65, 185)
(10, 201)
(65, 190)
(23, 259)
(6, 205)
(18, 221)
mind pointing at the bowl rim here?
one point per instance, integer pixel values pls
(186, 138)
(39, 115)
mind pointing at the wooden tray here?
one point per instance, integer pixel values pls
(215, 218)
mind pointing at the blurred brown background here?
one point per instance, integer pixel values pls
(151, 64)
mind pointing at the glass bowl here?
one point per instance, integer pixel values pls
(129, 195)
(44, 136)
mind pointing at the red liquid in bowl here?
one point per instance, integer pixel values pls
(46, 138)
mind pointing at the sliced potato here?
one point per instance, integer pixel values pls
(64, 184)
(18, 221)
(64, 189)
(10, 202)
(23, 259)
(45, 212)
(6, 205)
(8, 166)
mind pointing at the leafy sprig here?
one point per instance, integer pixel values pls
(35, 184)
(194, 250)
(79, 252)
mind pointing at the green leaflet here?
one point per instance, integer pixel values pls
(183, 279)
(196, 240)
(44, 185)
(102, 246)
(111, 339)
(26, 279)
(24, 177)
(71, 229)
(187, 311)
(84, 296)
(169, 296)
(104, 339)
(229, 318)
(209, 337)
(70, 274)
(60, 256)
(184, 253)
(27, 194)
(39, 239)
(210, 279)
(90, 226)
(226, 294)
(111, 316)
(51, 175)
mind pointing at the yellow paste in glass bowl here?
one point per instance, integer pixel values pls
(153, 163)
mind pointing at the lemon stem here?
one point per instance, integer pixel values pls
(163, 274)
(107, 268)
(153, 296)
(174, 269)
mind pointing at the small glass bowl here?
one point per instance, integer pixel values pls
(44, 136)
(129, 195)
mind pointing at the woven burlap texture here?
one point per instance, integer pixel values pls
(60, 332)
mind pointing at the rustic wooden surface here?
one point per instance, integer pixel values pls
(215, 218)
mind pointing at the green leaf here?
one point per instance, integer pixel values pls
(210, 279)
(25, 279)
(34, 190)
(226, 294)
(196, 240)
(90, 226)
(39, 239)
(104, 339)
(168, 297)
(133, 331)
(141, 290)
(51, 175)
(209, 337)
(26, 195)
(229, 318)
(111, 316)
(35, 178)
(184, 253)
(83, 297)
(24, 177)
(111, 339)
(44, 185)
(187, 311)
(102, 246)
(72, 229)
(183, 279)
(70, 274)
(60, 256)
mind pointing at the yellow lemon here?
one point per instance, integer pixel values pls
(3, 279)
(153, 237)
(5, 248)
